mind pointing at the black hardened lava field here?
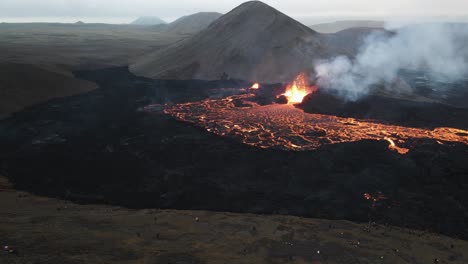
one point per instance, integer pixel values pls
(141, 143)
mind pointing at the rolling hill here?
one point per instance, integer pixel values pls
(22, 85)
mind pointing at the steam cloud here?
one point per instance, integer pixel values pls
(437, 48)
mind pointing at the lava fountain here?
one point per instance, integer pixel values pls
(300, 87)
(255, 86)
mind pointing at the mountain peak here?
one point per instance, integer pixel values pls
(254, 4)
(258, 15)
(252, 42)
(255, 7)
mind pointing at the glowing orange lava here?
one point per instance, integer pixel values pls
(393, 146)
(300, 87)
(255, 86)
(286, 127)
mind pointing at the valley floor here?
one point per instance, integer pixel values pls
(45, 230)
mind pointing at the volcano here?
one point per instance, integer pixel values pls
(192, 24)
(252, 42)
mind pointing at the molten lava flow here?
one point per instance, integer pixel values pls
(393, 146)
(296, 91)
(286, 127)
(255, 86)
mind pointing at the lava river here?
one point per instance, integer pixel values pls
(283, 126)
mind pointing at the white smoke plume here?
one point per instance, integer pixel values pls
(437, 48)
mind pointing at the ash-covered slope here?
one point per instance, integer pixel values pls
(192, 24)
(252, 42)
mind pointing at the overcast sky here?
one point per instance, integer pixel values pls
(121, 10)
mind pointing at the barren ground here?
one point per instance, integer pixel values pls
(45, 230)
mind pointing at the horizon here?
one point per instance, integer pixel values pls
(71, 11)
(306, 20)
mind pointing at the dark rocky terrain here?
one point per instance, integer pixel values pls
(431, 103)
(389, 110)
(45, 230)
(23, 85)
(103, 147)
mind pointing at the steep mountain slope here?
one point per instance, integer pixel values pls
(252, 42)
(192, 24)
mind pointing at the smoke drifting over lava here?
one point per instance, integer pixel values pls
(436, 48)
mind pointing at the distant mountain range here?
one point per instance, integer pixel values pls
(342, 25)
(148, 21)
